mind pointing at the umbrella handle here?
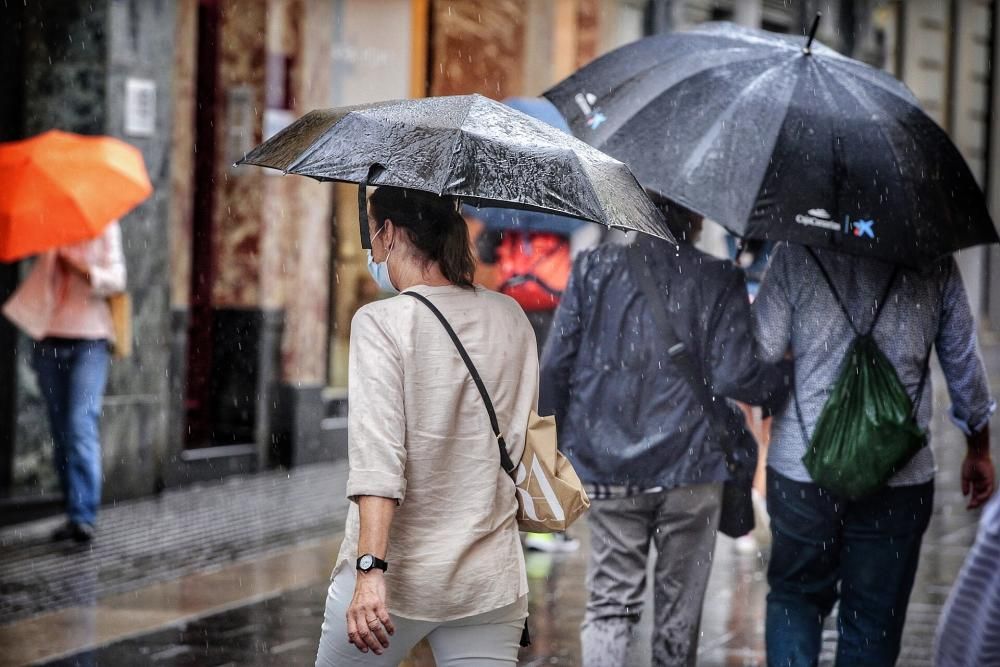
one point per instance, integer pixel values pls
(807, 49)
(366, 239)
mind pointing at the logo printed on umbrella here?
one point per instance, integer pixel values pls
(818, 217)
(586, 103)
(861, 227)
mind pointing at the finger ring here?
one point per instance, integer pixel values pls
(373, 622)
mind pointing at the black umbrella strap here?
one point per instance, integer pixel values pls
(366, 239)
(927, 358)
(840, 302)
(505, 461)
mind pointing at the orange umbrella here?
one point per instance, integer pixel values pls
(59, 188)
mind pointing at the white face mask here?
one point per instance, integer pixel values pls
(379, 271)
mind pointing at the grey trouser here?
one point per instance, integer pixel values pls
(682, 523)
(492, 638)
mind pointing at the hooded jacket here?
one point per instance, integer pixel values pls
(626, 415)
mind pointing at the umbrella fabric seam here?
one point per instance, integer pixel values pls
(312, 147)
(728, 113)
(892, 148)
(459, 140)
(609, 133)
(766, 170)
(593, 193)
(847, 69)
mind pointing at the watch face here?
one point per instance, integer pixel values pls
(366, 562)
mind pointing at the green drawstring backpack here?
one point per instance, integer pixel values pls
(867, 430)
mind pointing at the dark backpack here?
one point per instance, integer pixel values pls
(867, 430)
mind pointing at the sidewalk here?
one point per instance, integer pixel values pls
(141, 544)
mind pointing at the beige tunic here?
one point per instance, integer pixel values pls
(418, 432)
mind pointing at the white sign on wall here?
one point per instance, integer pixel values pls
(140, 107)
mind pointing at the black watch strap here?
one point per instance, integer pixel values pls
(369, 562)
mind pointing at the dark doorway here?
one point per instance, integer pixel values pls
(12, 16)
(198, 396)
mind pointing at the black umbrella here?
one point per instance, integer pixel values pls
(466, 146)
(777, 138)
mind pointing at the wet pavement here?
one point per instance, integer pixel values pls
(262, 605)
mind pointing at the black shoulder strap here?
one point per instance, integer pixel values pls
(505, 461)
(840, 302)
(878, 311)
(680, 356)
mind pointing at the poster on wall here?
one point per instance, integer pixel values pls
(140, 107)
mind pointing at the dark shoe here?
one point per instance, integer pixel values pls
(63, 532)
(82, 533)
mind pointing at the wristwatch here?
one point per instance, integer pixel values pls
(368, 562)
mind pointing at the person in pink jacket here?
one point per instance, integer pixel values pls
(63, 306)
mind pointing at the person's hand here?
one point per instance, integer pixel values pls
(978, 479)
(368, 622)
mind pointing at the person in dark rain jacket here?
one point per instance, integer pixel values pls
(638, 436)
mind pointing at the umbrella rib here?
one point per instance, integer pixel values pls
(309, 150)
(613, 129)
(854, 69)
(459, 137)
(859, 97)
(706, 140)
(764, 172)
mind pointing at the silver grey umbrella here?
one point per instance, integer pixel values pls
(469, 147)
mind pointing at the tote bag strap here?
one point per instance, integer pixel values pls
(505, 461)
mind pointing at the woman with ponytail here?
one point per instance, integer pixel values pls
(431, 545)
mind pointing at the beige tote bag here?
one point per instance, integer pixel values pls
(120, 305)
(550, 495)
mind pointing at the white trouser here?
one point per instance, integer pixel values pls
(492, 638)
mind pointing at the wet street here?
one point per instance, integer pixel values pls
(235, 574)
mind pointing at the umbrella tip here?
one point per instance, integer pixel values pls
(807, 49)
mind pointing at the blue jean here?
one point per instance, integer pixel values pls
(72, 375)
(865, 553)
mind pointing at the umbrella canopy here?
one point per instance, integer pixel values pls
(501, 219)
(59, 188)
(777, 141)
(465, 146)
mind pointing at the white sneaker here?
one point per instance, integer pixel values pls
(550, 542)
